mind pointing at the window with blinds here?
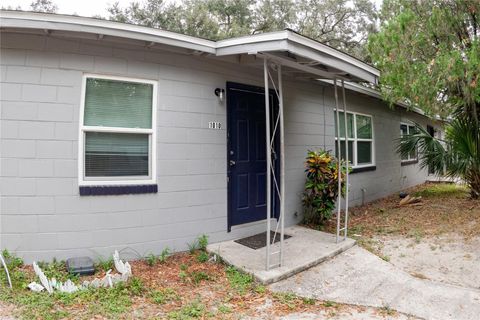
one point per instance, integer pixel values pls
(117, 131)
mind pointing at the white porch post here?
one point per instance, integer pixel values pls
(282, 162)
(339, 147)
(345, 230)
(269, 159)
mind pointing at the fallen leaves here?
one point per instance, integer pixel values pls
(431, 212)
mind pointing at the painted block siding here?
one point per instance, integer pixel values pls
(42, 214)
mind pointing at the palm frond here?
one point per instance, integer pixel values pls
(431, 151)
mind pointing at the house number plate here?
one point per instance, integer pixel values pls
(214, 125)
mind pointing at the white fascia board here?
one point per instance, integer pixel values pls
(332, 61)
(253, 48)
(290, 41)
(256, 38)
(310, 43)
(30, 20)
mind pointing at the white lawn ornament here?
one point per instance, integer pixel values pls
(109, 280)
(68, 287)
(43, 279)
(35, 287)
(122, 267)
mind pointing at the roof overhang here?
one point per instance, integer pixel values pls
(301, 53)
(56, 22)
(302, 56)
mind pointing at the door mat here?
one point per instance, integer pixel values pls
(260, 240)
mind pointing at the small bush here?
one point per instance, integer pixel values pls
(202, 242)
(58, 270)
(199, 276)
(11, 260)
(136, 286)
(192, 246)
(104, 264)
(164, 255)
(151, 259)
(202, 257)
(321, 187)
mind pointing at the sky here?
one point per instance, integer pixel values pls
(85, 8)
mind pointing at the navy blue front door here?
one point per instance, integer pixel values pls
(247, 153)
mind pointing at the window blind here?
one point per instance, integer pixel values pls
(116, 154)
(112, 103)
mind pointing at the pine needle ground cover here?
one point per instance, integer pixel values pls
(444, 209)
(183, 286)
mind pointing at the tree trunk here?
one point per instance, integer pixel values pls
(474, 182)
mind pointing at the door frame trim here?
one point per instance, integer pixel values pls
(246, 88)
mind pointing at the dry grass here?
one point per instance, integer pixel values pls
(445, 208)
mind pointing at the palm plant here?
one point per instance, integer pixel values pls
(457, 156)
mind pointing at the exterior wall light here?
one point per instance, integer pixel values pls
(220, 93)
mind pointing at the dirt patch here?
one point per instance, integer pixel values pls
(448, 259)
(6, 311)
(437, 238)
(444, 208)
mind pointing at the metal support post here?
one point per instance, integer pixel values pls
(269, 158)
(339, 155)
(282, 162)
(347, 180)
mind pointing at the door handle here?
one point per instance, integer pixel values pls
(232, 163)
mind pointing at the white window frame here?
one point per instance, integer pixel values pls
(355, 164)
(152, 132)
(401, 135)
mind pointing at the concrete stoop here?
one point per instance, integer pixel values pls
(305, 249)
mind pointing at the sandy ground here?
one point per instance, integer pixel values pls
(352, 313)
(364, 314)
(447, 259)
(6, 311)
(361, 278)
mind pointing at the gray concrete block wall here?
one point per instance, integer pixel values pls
(42, 214)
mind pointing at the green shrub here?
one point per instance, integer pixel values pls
(202, 257)
(321, 187)
(58, 270)
(202, 242)
(136, 286)
(164, 255)
(151, 259)
(11, 260)
(104, 264)
(199, 276)
(192, 246)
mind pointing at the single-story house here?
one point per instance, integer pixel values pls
(117, 136)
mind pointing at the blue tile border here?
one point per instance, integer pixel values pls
(117, 190)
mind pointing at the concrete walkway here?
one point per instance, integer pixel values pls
(361, 278)
(306, 248)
